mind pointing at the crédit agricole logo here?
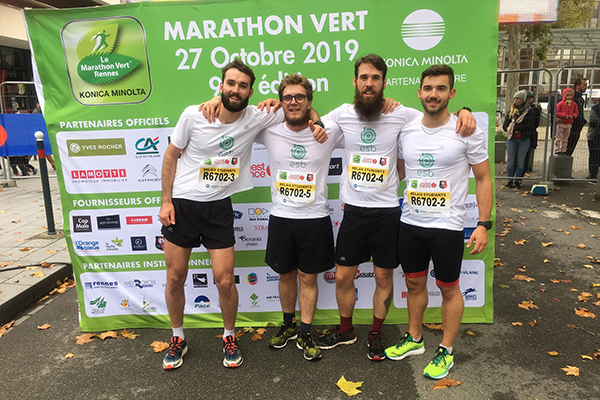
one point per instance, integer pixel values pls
(107, 61)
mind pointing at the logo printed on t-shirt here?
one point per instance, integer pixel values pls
(298, 152)
(226, 142)
(368, 135)
(426, 160)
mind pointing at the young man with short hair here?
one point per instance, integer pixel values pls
(433, 213)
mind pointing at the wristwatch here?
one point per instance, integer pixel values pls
(486, 224)
(320, 124)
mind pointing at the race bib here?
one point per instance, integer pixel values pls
(368, 173)
(429, 198)
(218, 173)
(295, 189)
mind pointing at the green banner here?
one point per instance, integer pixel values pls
(115, 79)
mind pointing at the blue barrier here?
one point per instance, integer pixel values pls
(19, 137)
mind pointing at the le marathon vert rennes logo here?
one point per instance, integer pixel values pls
(107, 61)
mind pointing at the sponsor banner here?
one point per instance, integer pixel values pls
(106, 77)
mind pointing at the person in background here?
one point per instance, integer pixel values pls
(566, 113)
(579, 86)
(517, 124)
(593, 137)
(534, 134)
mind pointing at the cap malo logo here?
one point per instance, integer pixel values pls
(100, 53)
(423, 29)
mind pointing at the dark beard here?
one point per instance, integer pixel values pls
(302, 120)
(230, 106)
(368, 110)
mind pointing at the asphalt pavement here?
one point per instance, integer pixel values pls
(498, 361)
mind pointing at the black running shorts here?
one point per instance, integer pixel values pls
(368, 232)
(196, 223)
(304, 244)
(417, 245)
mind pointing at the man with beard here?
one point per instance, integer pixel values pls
(300, 241)
(196, 208)
(369, 189)
(433, 213)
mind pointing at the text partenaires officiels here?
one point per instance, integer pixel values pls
(114, 123)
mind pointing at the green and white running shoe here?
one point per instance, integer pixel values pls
(284, 335)
(404, 348)
(311, 350)
(440, 365)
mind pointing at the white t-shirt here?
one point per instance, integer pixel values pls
(215, 162)
(370, 178)
(299, 168)
(437, 169)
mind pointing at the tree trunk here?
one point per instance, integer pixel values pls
(514, 58)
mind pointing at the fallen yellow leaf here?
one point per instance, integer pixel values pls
(547, 244)
(107, 334)
(522, 278)
(44, 327)
(583, 312)
(38, 274)
(85, 338)
(444, 383)
(256, 337)
(581, 246)
(470, 333)
(128, 335)
(570, 370)
(588, 266)
(349, 387)
(532, 323)
(553, 353)
(528, 305)
(504, 286)
(575, 227)
(521, 242)
(50, 251)
(586, 357)
(434, 327)
(546, 261)
(25, 249)
(69, 355)
(517, 324)
(4, 328)
(261, 331)
(159, 346)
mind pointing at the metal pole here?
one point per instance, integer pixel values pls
(39, 136)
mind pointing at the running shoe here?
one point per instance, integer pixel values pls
(285, 334)
(375, 346)
(232, 356)
(404, 348)
(311, 350)
(440, 365)
(334, 337)
(175, 353)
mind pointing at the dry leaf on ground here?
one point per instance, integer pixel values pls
(581, 246)
(561, 280)
(50, 251)
(470, 333)
(532, 323)
(570, 370)
(38, 274)
(582, 312)
(528, 305)
(521, 242)
(553, 353)
(128, 335)
(45, 264)
(571, 326)
(349, 387)
(546, 261)
(434, 327)
(522, 278)
(85, 338)
(586, 357)
(248, 329)
(107, 334)
(159, 346)
(44, 327)
(517, 324)
(444, 383)
(256, 337)
(25, 249)
(547, 244)
(69, 355)
(261, 331)
(575, 227)
(4, 328)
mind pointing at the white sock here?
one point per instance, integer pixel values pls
(228, 332)
(449, 348)
(179, 332)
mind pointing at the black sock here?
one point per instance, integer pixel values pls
(289, 319)
(304, 329)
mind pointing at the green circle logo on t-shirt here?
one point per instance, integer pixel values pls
(426, 160)
(368, 135)
(298, 152)
(226, 142)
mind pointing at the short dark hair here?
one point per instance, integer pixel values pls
(296, 79)
(578, 81)
(438, 70)
(238, 64)
(372, 59)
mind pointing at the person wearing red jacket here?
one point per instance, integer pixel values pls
(566, 112)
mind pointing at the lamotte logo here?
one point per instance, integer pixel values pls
(99, 175)
(109, 222)
(149, 174)
(82, 223)
(138, 243)
(100, 53)
(147, 147)
(96, 147)
(423, 29)
(200, 280)
(141, 220)
(202, 302)
(98, 305)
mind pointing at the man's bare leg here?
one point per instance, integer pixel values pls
(309, 293)
(177, 259)
(417, 300)
(222, 265)
(452, 311)
(288, 291)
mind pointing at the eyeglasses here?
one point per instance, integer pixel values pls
(300, 98)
